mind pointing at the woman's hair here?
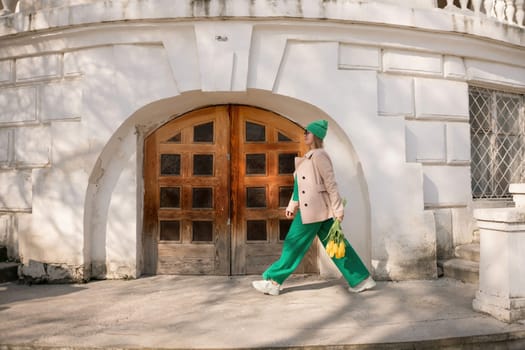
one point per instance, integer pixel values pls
(318, 143)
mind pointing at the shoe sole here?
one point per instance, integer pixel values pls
(264, 291)
(367, 286)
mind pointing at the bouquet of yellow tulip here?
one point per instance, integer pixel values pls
(336, 242)
(336, 239)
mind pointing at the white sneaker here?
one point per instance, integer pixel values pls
(369, 283)
(266, 287)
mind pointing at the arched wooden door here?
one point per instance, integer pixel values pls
(217, 181)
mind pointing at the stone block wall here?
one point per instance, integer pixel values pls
(429, 91)
(447, 174)
(434, 100)
(34, 92)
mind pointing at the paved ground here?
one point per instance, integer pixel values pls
(221, 312)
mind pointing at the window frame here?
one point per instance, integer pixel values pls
(496, 187)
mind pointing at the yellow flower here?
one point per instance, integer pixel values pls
(331, 248)
(336, 240)
(340, 250)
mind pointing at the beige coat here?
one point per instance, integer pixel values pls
(319, 198)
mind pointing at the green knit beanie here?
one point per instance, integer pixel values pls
(318, 128)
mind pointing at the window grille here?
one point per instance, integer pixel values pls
(497, 128)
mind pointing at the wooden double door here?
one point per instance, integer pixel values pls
(217, 181)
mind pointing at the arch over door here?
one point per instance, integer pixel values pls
(217, 181)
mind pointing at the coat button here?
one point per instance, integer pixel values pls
(305, 204)
(303, 192)
(304, 178)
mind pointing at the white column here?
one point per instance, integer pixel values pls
(502, 263)
(476, 4)
(488, 5)
(520, 12)
(464, 4)
(500, 10)
(510, 10)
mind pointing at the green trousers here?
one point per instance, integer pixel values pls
(298, 241)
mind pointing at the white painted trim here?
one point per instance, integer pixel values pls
(391, 15)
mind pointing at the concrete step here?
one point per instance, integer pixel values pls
(463, 270)
(3, 253)
(8, 271)
(468, 252)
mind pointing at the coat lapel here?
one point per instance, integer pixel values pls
(300, 160)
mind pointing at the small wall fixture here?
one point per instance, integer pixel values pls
(221, 38)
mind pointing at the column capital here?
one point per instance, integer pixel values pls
(518, 194)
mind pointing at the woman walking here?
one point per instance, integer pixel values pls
(315, 203)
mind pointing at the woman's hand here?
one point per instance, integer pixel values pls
(289, 214)
(340, 218)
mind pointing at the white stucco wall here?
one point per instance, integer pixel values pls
(77, 104)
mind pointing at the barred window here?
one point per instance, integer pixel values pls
(497, 129)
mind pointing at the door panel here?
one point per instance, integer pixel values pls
(264, 146)
(187, 194)
(217, 181)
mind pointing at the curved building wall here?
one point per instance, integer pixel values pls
(80, 86)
